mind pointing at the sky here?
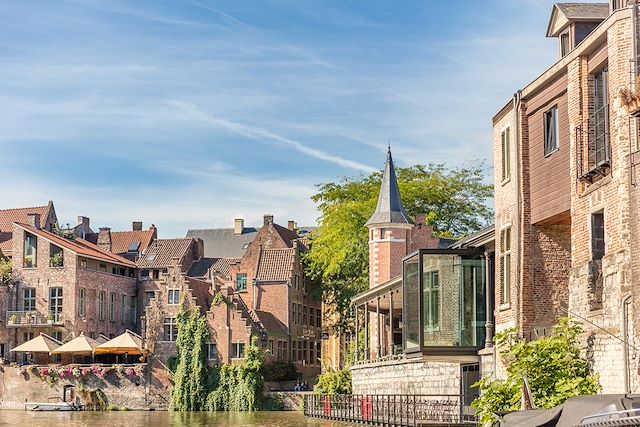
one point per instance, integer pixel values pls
(187, 114)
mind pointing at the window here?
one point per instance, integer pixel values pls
(174, 296)
(615, 5)
(312, 319)
(505, 257)
(600, 117)
(212, 351)
(81, 298)
(30, 251)
(431, 300)
(383, 232)
(156, 274)
(144, 273)
(296, 282)
(56, 256)
(123, 309)
(551, 133)
(103, 266)
(565, 47)
(304, 315)
(318, 318)
(101, 302)
(29, 301)
(55, 303)
(112, 307)
(83, 263)
(170, 329)
(282, 350)
(57, 336)
(237, 350)
(270, 346)
(134, 307)
(597, 236)
(506, 154)
(293, 350)
(241, 282)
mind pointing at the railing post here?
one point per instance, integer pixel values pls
(366, 332)
(391, 323)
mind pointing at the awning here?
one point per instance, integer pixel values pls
(128, 342)
(43, 343)
(80, 345)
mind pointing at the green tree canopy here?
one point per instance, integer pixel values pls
(453, 199)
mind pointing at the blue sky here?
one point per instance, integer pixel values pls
(187, 114)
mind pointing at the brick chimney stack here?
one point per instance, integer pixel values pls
(238, 226)
(33, 219)
(136, 226)
(291, 225)
(83, 221)
(104, 239)
(268, 219)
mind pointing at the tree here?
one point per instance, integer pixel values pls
(553, 368)
(453, 199)
(5, 270)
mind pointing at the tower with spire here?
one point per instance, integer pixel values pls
(389, 230)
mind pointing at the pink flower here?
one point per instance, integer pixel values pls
(131, 372)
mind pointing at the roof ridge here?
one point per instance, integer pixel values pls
(23, 209)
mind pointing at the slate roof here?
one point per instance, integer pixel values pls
(275, 265)
(271, 323)
(584, 10)
(160, 252)
(223, 243)
(389, 209)
(79, 246)
(222, 266)
(9, 216)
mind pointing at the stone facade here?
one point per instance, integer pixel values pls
(561, 269)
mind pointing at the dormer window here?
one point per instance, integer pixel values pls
(565, 43)
(616, 4)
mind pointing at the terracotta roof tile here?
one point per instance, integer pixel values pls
(221, 266)
(160, 252)
(78, 246)
(121, 241)
(271, 323)
(275, 265)
(9, 216)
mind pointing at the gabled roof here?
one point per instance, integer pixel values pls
(159, 254)
(389, 209)
(271, 323)
(275, 265)
(563, 13)
(287, 235)
(9, 216)
(220, 266)
(223, 242)
(78, 246)
(121, 241)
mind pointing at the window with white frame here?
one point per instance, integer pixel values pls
(212, 351)
(174, 296)
(505, 262)
(29, 300)
(170, 329)
(237, 350)
(506, 154)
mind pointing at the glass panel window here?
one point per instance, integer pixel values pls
(565, 46)
(237, 350)
(170, 329)
(55, 303)
(174, 296)
(318, 318)
(597, 236)
(551, 133)
(56, 256)
(212, 351)
(241, 282)
(81, 301)
(282, 350)
(600, 118)
(112, 307)
(29, 301)
(411, 282)
(431, 300)
(30, 251)
(102, 300)
(506, 154)
(505, 264)
(123, 309)
(134, 307)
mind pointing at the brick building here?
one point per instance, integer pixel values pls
(566, 195)
(65, 286)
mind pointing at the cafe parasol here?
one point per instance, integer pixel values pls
(128, 343)
(81, 345)
(43, 343)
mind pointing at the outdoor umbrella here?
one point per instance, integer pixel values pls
(43, 343)
(80, 345)
(127, 343)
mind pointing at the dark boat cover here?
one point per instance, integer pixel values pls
(572, 412)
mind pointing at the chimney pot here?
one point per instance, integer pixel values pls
(33, 219)
(137, 225)
(238, 226)
(268, 219)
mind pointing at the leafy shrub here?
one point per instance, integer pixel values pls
(553, 367)
(279, 371)
(334, 382)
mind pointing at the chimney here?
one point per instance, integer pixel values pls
(137, 226)
(104, 239)
(33, 219)
(238, 226)
(84, 222)
(268, 219)
(291, 225)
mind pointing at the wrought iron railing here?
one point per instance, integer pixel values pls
(32, 318)
(593, 147)
(393, 409)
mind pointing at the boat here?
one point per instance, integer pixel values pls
(50, 406)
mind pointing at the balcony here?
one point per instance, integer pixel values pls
(593, 149)
(30, 319)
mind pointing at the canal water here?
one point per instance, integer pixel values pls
(161, 419)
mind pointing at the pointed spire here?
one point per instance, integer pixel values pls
(389, 209)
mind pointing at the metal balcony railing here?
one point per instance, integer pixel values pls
(593, 147)
(32, 318)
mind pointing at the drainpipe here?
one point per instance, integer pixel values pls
(624, 309)
(517, 98)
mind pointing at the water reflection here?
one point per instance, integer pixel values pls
(160, 419)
